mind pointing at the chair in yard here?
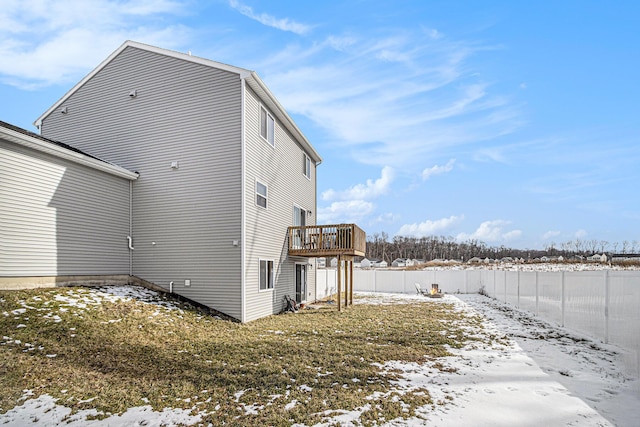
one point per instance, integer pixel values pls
(421, 291)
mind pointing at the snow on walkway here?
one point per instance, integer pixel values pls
(543, 375)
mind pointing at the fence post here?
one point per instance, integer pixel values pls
(562, 302)
(466, 281)
(404, 281)
(518, 290)
(495, 292)
(537, 295)
(375, 286)
(505, 286)
(606, 306)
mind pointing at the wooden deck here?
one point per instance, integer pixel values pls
(346, 240)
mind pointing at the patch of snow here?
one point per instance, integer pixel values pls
(45, 411)
(289, 406)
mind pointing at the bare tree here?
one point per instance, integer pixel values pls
(625, 246)
(603, 246)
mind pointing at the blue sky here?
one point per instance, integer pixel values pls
(513, 123)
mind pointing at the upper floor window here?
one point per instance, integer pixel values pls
(261, 194)
(306, 166)
(267, 126)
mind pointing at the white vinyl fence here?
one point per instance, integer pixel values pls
(604, 305)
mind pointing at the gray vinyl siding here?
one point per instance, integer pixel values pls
(185, 219)
(281, 169)
(60, 218)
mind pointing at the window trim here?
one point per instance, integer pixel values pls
(270, 275)
(302, 211)
(269, 119)
(258, 194)
(306, 170)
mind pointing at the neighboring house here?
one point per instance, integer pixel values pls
(369, 263)
(381, 264)
(399, 262)
(597, 258)
(221, 174)
(624, 257)
(63, 212)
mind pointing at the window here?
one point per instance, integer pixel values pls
(306, 166)
(266, 274)
(299, 216)
(267, 126)
(261, 194)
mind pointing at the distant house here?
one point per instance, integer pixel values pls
(474, 260)
(399, 262)
(597, 258)
(624, 257)
(367, 263)
(214, 195)
(380, 264)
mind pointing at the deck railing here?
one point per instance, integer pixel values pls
(327, 240)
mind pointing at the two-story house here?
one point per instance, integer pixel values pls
(223, 173)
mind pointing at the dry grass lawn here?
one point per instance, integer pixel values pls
(90, 350)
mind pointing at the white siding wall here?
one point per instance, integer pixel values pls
(60, 218)
(281, 169)
(183, 112)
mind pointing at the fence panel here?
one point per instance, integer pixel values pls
(624, 315)
(584, 303)
(600, 304)
(550, 296)
(511, 292)
(527, 293)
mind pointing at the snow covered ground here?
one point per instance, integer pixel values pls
(533, 374)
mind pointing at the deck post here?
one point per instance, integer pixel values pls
(346, 284)
(351, 282)
(339, 284)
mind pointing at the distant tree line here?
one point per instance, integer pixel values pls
(379, 246)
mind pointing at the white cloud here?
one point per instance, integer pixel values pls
(550, 234)
(284, 24)
(350, 211)
(45, 42)
(397, 97)
(428, 227)
(580, 234)
(437, 169)
(371, 189)
(386, 218)
(491, 231)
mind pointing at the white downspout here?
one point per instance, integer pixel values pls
(129, 238)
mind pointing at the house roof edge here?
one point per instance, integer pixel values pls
(36, 142)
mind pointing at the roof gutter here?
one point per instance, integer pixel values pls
(290, 124)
